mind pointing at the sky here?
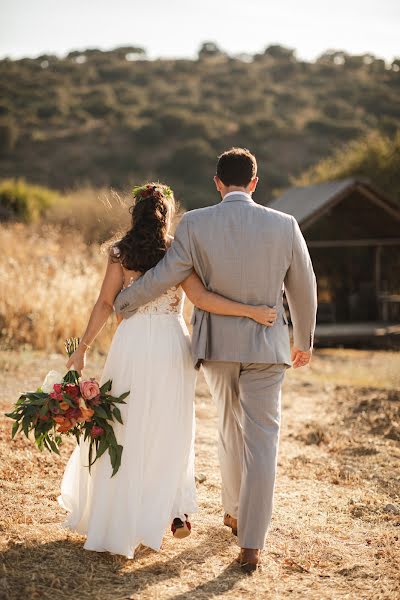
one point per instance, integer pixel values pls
(177, 28)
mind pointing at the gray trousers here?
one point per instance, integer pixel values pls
(248, 399)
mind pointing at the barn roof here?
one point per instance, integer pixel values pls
(307, 203)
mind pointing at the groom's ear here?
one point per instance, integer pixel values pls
(217, 182)
(253, 184)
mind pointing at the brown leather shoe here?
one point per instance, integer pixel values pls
(249, 559)
(231, 522)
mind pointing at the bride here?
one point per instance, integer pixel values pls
(149, 357)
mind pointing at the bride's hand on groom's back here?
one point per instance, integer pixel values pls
(263, 315)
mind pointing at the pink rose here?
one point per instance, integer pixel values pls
(96, 431)
(89, 389)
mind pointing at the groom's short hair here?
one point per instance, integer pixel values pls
(237, 166)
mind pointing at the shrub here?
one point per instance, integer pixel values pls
(374, 156)
(192, 162)
(8, 136)
(21, 201)
(332, 128)
(99, 102)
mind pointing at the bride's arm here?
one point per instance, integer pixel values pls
(112, 285)
(219, 305)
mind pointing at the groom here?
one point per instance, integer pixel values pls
(248, 253)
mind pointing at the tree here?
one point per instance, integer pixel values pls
(209, 49)
(374, 156)
(280, 52)
(8, 136)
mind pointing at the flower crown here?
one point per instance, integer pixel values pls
(156, 190)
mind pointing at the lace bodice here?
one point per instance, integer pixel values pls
(169, 303)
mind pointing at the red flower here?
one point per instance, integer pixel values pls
(73, 413)
(57, 388)
(72, 390)
(96, 431)
(56, 396)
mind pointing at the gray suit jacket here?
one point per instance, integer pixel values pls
(248, 253)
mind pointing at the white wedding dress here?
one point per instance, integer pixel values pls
(150, 357)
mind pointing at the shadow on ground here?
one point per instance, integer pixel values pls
(63, 569)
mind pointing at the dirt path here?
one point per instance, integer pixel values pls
(335, 530)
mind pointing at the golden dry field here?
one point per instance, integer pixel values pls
(336, 524)
(335, 529)
(49, 280)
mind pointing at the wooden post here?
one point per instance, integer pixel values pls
(382, 307)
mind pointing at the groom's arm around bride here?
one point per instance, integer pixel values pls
(248, 253)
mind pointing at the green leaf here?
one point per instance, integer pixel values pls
(12, 415)
(112, 450)
(15, 428)
(44, 410)
(102, 447)
(122, 397)
(117, 461)
(100, 412)
(90, 455)
(53, 446)
(25, 425)
(117, 414)
(46, 442)
(71, 377)
(106, 387)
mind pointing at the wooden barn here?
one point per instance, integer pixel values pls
(353, 233)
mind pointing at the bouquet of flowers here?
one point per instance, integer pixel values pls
(71, 406)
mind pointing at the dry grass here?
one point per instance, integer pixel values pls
(50, 277)
(333, 535)
(96, 214)
(49, 280)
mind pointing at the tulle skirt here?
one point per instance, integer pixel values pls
(150, 357)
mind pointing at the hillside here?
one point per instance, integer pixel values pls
(114, 118)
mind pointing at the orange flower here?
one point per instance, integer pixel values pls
(64, 405)
(59, 419)
(65, 427)
(87, 413)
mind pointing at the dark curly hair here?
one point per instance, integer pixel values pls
(145, 244)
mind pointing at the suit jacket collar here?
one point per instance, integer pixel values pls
(237, 197)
